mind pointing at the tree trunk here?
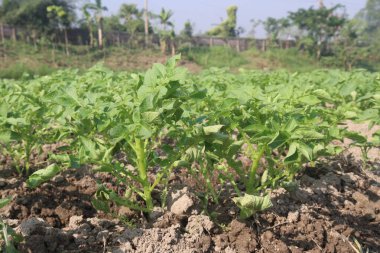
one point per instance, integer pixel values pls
(66, 42)
(173, 47)
(238, 45)
(146, 28)
(2, 32)
(14, 35)
(91, 34)
(100, 33)
(163, 46)
(34, 38)
(53, 55)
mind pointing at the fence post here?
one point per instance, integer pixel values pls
(14, 35)
(2, 32)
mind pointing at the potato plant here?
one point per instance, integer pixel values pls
(250, 132)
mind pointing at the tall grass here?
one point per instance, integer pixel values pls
(20, 70)
(217, 56)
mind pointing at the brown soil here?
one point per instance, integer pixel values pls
(335, 203)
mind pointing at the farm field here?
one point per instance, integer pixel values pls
(172, 161)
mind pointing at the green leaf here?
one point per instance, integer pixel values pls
(279, 139)
(322, 94)
(264, 177)
(308, 134)
(251, 204)
(149, 117)
(136, 116)
(292, 154)
(212, 129)
(144, 131)
(101, 205)
(16, 121)
(306, 151)
(4, 202)
(356, 137)
(350, 115)
(310, 100)
(5, 137)
(89, 146)
(43, 175)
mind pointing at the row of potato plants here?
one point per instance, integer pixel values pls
(166, 119)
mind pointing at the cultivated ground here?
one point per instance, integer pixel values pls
(337, 201)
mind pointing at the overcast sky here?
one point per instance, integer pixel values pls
(206, 13)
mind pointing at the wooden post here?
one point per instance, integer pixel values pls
(2, 32)
(14, 34)
(238, 45)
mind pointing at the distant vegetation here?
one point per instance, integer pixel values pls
(323, 35)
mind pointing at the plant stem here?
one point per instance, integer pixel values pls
(252, 175)
(142, 169)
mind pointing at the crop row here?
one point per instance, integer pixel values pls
(165, 119)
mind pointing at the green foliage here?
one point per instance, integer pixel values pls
(273, 26)
(17, 71)
(132, 18)
(140, 127)
(35, 15)
(214, 56)
(164, 19)
(42, 175)
(187, 31)
(228, 27)
(321, 25)
(249, 204)
(7, 235)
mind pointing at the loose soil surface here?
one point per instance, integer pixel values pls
(336, 202)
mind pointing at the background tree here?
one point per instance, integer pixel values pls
(63, 21)
(348, 48)
(33, 15)
(166, 35)
(371, 14)
(112, 23)
(98, 9)
(274, 27)
(369, 31)
(254, 24)
(321, 26)
(89, 22)
(228, 27)
(8, 15)
(132, 18)
(188, 30)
